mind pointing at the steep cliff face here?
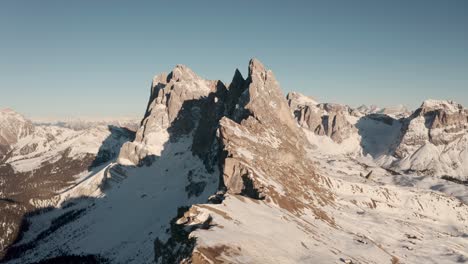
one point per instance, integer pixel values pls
(265, 148)
(178, 101)
(437, 122)
(434, 140)
(332, 120)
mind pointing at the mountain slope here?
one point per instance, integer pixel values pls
(43, 163)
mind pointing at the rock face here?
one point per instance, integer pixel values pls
(13, 127)
(445, 122)
(177, 101)
(251, 114)
(434, 140)
(322, 119)
(265, 158)
(263, 144)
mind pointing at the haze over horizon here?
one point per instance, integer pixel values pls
(97, 59)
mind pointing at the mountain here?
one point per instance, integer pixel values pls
(41, 162)
(13, 127)
(364, 109)
(85, 123)
(398, 111)
(333, 120)
(239, 173)
(432, 140)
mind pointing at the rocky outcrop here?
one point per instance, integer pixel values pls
(252, 118)
(178, 101)
(436, 122)
(265, 152)
(246, 129)
(434, 140)
(322, 119)
(297, 99)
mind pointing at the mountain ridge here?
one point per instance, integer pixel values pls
(241, 173)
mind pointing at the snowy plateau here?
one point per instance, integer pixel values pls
(237, 173)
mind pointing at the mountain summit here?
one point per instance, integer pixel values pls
(13, 127)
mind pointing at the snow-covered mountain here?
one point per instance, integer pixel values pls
(397, 111)
(85, 123)
(432, 140)
(242, 174)
(13, 127)
(41, 161)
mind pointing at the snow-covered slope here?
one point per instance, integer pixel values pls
(398, 111)
(43, 162)
(131, 123)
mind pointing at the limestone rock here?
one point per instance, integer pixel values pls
(437, 122)
(177, 102)
(264, 146)
(322, 119)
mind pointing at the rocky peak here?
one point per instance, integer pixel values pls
(364, 109)
(264, 146)
(253, 122)
(237, 86)
(13, 127)
(297, 99)
(256, 70)
(323, 119)
(442, 105)
(183, 73)
(263, 99)
(237, 77)
(177, 103)
(442, 114)
(238, 83)
(438, 122)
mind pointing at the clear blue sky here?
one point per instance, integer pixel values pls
(97, 58)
